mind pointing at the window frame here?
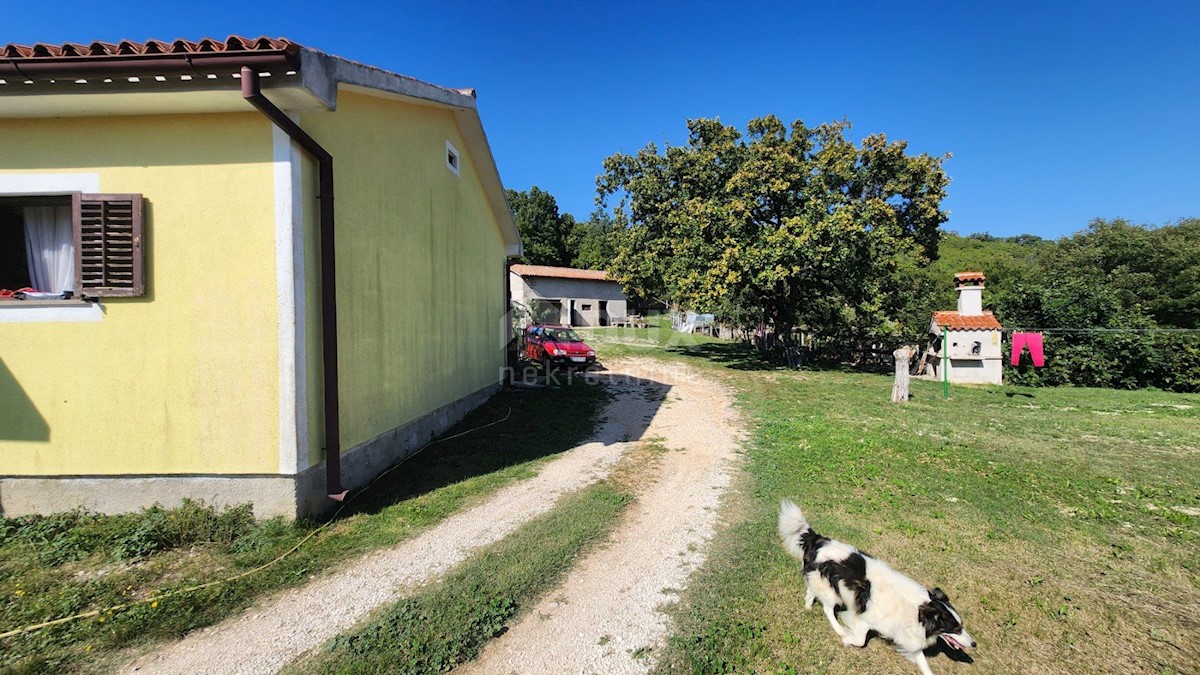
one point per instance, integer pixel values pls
(49, 199)
(76, 199)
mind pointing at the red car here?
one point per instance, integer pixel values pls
(557, 347)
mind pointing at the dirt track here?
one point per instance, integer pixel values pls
(605, 618)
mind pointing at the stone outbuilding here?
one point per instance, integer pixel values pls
(567, 296)
(973, 353)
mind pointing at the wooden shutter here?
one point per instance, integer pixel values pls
(108, 245)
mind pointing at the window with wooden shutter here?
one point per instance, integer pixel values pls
(108, 245)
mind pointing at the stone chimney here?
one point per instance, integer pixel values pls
(970, 292)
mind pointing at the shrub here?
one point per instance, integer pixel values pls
(1119, 357)
(77, 534)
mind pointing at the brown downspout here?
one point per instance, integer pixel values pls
(510, 349)
(252, 92)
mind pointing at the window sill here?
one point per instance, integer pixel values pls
(49, 311)
(14, 302)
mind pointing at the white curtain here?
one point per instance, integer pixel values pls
(50, 247)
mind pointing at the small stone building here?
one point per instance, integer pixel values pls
(973, 353)
(567, 296)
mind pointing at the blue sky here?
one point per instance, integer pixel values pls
(1055, 112)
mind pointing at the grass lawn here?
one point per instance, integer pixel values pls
(1062, 522)
(61, 565)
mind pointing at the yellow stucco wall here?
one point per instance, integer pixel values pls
(420, 267)
(185, 379)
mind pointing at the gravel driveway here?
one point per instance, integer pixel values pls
(608, 615)
(612, 599)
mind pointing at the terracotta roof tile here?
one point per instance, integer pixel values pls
(559, 272)
(233, 43)
(955, 321)
(970, 276)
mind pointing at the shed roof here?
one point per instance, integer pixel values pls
(952, 320)
(560, 272)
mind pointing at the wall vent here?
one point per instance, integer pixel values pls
(452, 158)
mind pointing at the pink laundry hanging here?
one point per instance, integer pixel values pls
(1034, 342)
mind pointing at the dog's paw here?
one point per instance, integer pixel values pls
(854, 640)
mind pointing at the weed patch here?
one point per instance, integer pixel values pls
(74, 535)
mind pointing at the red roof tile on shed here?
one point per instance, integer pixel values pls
(955, 321)
(559, 272)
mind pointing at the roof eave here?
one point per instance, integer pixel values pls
(41, 69)
(320, 75)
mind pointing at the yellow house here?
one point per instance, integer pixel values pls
(205, 319)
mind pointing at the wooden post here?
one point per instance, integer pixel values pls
(900, 387)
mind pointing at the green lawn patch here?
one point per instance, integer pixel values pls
(1062, 521)
(76, 562)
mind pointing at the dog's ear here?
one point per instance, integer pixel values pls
(939, 595)
(928, 616)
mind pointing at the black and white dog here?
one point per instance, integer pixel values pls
(869, 595)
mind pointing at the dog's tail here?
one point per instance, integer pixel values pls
(792, 526)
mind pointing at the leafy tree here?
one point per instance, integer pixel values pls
(796, 225)
(595, 240)
(1120, 357)
(546, 233)
(1156, 267)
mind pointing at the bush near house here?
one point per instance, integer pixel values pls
(1128, 280)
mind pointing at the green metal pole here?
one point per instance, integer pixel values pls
(945, 362)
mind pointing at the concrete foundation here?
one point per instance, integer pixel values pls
(301, 495)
